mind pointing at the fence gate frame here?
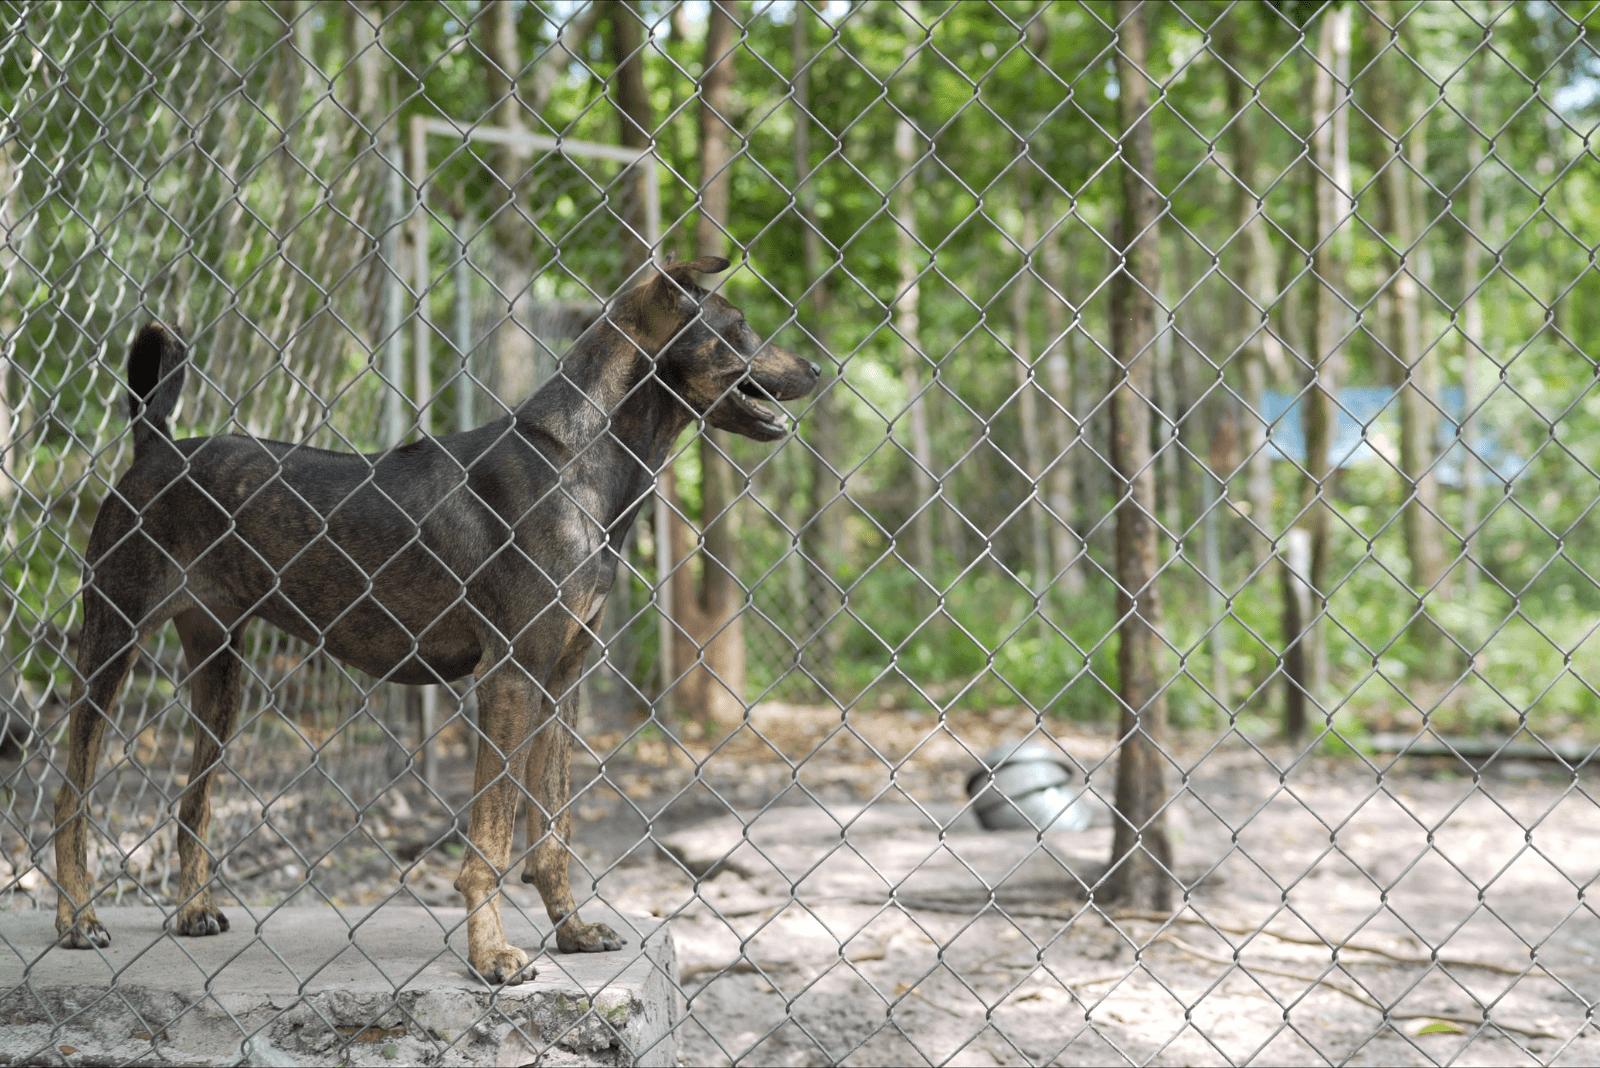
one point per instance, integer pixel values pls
(422, 330)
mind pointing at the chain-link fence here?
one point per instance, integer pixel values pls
(1163, 633)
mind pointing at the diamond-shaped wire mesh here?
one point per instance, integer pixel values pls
(1162, 632)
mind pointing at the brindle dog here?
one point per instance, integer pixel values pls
(488, 553)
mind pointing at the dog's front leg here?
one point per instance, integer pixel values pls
(549, 779)
(506, 699)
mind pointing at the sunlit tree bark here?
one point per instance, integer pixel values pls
(1065, 444)
(1411, 364)
(1141, 852)
(1033, 438)
(1471, 326)
(635, 126)
(1324, 357)
(822, 535)
(711, 662)
(1261, 354)
(908, 148)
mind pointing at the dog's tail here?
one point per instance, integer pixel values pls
(155, 379)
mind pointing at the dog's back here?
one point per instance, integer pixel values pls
(355, 552)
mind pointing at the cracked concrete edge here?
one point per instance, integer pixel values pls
(129, 1023)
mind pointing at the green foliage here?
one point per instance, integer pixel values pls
(203, 163)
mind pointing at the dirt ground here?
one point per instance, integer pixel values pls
(832, 902)
(1452, 894)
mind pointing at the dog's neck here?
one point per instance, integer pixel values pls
(606, 409)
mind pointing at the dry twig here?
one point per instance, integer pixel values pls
(1354, 995)
(1362, 947)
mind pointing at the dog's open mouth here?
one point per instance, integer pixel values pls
(748, 396)
(751, 403)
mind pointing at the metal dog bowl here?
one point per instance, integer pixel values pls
(1025, 786)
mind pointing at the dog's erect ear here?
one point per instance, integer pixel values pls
(709, 265)
(684, 273)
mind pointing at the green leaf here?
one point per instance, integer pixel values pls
(1439, 1027)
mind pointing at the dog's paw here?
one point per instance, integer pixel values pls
(506, 966)
(199, 922)
(87, 933)
(588, 938)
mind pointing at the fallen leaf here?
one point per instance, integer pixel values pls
(1439, 1027)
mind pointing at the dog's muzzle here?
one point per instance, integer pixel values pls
(753, 406)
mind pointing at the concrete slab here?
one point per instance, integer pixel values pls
(318, 985)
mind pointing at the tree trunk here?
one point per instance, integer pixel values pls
(1258, 345)
(635, 128)
(1424, 534)
(520, 361)
(902, 204)
(11, 240)
(1064, 429)
(1323, 354)
(313, 252)
(15, 713)
(1434, 532)
(822, 533)
(1033, 439)
(374, 147)
(1166, 426)
(1294, 571)
(501, 68)
(1141, 853)
(1471, 319)
(518, 366)
(711, 666)
(1091, 399)
(567, 47)
(908, 324)
(711, 229)
(1188, 352)
(1219, 458)
(304, 252)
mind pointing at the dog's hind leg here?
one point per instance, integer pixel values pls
(211, 652)
(506, 699)
(106, 649)
(549, 780)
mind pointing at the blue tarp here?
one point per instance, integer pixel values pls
(1367, 430)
